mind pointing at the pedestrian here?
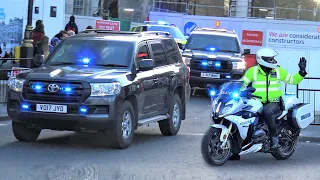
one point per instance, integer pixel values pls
(37, 36)
(45, 46)
(57, 39)
(72, 25)
(11, 53)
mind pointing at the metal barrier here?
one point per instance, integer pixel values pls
(307, 95)
(7, 66)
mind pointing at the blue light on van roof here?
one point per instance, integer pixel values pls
(86, 60)
(162, 23)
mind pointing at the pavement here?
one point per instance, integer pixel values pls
(83, 156)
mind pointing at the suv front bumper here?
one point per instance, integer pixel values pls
(101, 114)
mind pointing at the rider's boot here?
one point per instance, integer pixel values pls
(275, 142)
(234, 157)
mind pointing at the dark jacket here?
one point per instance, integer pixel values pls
(72, 26)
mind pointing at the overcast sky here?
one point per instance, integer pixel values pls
(11, 8)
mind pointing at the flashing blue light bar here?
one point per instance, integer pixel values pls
(86, 60)
(84, 110)
(235, 95)
(24, 106)
(37, 87)
(228, 76)
(212, 49)
(67, 89)
(217, 64)
(212, 93)
(162, 23)
(204, 63)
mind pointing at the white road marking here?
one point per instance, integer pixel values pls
(191, 134)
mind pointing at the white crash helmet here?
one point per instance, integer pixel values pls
(265, 57)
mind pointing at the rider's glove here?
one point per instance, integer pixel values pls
(302, 66)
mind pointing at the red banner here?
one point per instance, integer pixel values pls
(252, 38)
(108, 25)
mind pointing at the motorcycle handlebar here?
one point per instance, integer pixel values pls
(259, 97)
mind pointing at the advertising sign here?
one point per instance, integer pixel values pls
(293, 38)
(108, 25)
(252, 38)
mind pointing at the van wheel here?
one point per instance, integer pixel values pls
(122, 134)
(23, 133)
(171, 126)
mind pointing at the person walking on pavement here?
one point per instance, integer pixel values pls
(266, 78)
(72, 25)
(37, 36)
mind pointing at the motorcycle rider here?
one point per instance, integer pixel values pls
(266, 78)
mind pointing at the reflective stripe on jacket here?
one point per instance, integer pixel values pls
(259, 81)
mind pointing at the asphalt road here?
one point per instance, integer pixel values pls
(75, 156)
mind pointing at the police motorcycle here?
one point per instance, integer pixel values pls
(238, 126)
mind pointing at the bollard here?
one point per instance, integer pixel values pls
(17, 53)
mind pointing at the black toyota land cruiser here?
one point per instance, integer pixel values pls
(102, 81)
(214, 57)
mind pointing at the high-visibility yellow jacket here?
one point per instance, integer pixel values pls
(260, 80)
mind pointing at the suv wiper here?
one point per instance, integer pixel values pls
(111, 65)
(229, 51)
(197, 49)
(62, 63)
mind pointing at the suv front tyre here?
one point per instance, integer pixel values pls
(122, 134)
(23, 133)
(171, 126)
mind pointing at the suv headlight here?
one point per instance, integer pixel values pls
(238, 65)
(105, 89)
(16, 84)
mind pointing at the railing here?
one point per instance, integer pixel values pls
(307, 95)
(6, 68)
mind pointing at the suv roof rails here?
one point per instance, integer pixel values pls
(213, 29)
(107, 31)
(155, 33)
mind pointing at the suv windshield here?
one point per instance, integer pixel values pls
(219, 43)
(92, 52)
(174, 31)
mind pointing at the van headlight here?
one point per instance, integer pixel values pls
(16, 84)
(105, 89)
(238, 65)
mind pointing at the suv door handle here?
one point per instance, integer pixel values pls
(155, 79)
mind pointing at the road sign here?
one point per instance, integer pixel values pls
(108, 25)
(189, 27)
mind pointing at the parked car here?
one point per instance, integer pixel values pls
(102, 81)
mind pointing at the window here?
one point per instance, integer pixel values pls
(171, 51)
(142, 53)
(158, 54)
(92, 53)
(174, 31)
(220, 43)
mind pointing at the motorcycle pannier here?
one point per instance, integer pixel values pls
(301, 115)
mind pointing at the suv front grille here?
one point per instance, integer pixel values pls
(67, 93)
(225, 66)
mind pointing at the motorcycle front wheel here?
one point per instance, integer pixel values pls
(211, 149)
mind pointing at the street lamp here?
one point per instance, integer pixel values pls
(27, 46)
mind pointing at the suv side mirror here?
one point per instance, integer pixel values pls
(38, 60)
(146, 64)
(181, 46)
(246, 51)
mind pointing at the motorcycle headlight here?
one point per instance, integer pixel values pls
(105, 89)
(16, 84)
(238, 65)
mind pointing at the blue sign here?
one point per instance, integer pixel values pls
(2, 16)
(189, 27)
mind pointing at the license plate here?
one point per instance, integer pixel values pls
(51, 108)
(210, 75)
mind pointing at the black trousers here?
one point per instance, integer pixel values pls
(271, 111)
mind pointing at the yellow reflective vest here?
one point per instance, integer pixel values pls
(260, 80)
